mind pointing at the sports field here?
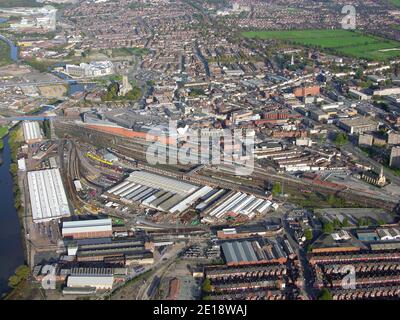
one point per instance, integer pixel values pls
(340, 41)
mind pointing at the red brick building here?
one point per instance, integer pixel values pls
(302, 92)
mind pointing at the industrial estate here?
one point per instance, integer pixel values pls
(200, 150)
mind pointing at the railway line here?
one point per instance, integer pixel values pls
(72, 174)
(137, 149)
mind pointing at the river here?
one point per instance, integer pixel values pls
(13, 48)
(11, 250)
(74, 85)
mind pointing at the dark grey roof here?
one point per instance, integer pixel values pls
(239, 251)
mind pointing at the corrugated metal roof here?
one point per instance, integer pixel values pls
(95, 281)
(86, 223)
(47, 195)
(31, 130)
(238, 251)
(87, 226)
(161, 182)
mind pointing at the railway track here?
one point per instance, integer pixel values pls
(136, 150)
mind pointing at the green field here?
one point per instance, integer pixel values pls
(19, 3)
(121, 52)
(338, 41)
(395, 2)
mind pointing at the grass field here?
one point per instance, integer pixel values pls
(395, 2)
(19, 3)
(339, 41)
(121, 52)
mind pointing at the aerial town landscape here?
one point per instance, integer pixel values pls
(200, 150)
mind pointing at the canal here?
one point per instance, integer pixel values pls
(11, 250)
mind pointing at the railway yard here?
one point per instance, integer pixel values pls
(189, 218)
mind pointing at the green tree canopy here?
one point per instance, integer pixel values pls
(328, 227)
(207, 285)
(276, 189)
(21, 274)
(325, 294)
(308, 234)
(341, 139)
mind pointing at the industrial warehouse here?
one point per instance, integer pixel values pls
(123, 252)
(159, 192)
(257, 251)
(87, 229)
(175, 196)
(47, 195)
(238, 203)
(102, 282)
(32, 133)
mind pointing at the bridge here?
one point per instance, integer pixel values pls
(27, 84)
(39, 117)
(46, 83)
(46, 113)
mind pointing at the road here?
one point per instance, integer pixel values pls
(305, 271)
(161, 266)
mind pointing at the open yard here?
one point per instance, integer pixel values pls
(338, 41)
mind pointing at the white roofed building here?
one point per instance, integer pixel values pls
(32, 133)
(87, 229)
(102, 282)
(47, 195)
(93, 69)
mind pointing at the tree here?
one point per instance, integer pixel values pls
(14, 281)
(341, 139)
(13, 169)
(380, 222)
(328, 227)
(336, 224)
(345, 223)
(276, 189)
(207, 285)
(308, 234)
(363, 222)
(47, 129)
(21, 274)
(325, 294)
(359, 73)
